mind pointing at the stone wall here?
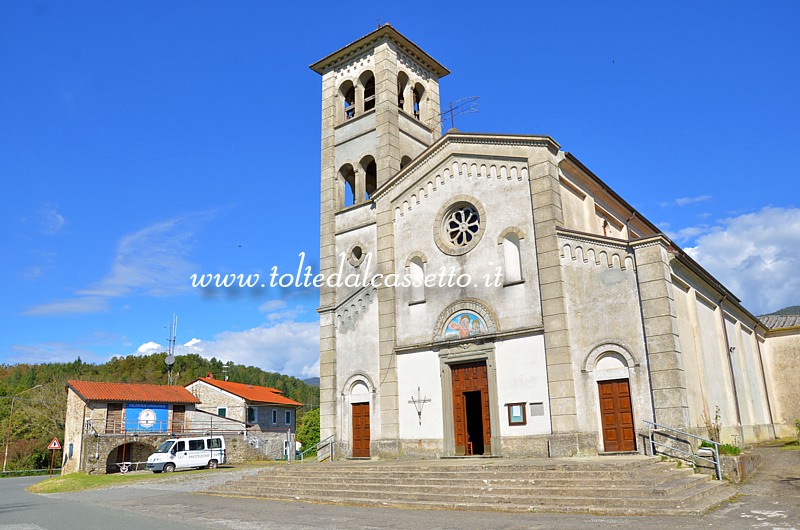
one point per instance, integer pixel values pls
(213, 398)
(781, 352)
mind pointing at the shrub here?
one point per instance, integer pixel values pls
(724, 449)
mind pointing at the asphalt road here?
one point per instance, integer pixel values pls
(771, 500)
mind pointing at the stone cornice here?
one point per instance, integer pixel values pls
(384, 33)
(480, 339)
(453, 138)
(575, 235)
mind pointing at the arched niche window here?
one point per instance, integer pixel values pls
(512, 262)
(370, 171)
(418, 93)
(368, 83)
(347, 93)
(402, 86)
(406, 160)
(416, 271)
(346, 186)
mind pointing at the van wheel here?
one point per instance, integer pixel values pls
(169, 468)
(212, 464)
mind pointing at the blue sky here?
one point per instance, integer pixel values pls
(142, 142)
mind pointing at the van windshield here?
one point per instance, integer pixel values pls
(165, 447)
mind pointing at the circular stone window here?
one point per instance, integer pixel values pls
(460, 227)
(356, 255)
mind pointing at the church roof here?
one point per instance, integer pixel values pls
(384, 32)
(780, 321)
(131, 392)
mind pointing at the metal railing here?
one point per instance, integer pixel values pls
(29, 472)
(656, 428)
(327, 443)
(162, 428)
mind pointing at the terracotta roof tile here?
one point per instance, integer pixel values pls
(252, 393)
(131, 392)
(780, 321)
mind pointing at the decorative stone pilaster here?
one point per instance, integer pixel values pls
(667, 376)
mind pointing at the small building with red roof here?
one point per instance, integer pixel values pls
(264, 409)
(114, 426)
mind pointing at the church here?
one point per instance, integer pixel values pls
(514, 304)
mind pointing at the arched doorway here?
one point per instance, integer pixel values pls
(616, 408)
(360, 420)
(128, 454)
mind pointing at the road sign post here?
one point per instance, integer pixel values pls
(54, 446)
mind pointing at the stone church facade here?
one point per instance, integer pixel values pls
(511, 303)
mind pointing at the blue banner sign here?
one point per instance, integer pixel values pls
(146, 417)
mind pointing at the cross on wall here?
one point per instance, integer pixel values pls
(419, 403)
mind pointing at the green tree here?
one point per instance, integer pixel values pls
(308, 428)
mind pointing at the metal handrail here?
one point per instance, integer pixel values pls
(319, 445)
(653, 444)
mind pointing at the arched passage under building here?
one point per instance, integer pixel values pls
(132, 454)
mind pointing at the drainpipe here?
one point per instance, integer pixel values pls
(730, 364)
(83, 431)
(641, 313)
(764, 380)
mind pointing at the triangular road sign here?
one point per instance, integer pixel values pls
(54, 444)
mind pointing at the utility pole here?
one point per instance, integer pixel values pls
(10, 414)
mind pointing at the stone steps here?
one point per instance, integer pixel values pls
(634, 486)
(505, 489)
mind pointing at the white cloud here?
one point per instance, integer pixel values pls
(50, 221)
(756, 256)
(87, 304)
(685, 201)
(687, 234)
(149, 347)
(277, 311)
(272, 305)
(287, 347)
(149, 262)
(48, 352)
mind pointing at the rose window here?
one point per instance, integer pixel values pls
(461, 225)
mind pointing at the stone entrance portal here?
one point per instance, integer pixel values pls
(471, 421)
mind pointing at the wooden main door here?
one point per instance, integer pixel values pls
(361, 429)
(471, 426)
(617, 416)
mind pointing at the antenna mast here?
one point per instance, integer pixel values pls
(459, 107)
(170, 359)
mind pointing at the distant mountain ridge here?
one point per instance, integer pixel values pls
(312, 381)
(791, 310)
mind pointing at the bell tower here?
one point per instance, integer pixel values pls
(380, 110)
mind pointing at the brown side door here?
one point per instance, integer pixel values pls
(360, 429)
(470, 377)
(114, 418)
(178, 417)
(617, 416)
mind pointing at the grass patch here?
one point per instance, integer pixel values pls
(791, 446)
(82, 481)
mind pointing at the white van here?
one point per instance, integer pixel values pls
(182, 453)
